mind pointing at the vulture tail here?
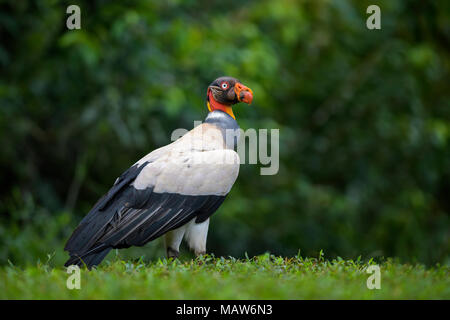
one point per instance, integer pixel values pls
(83, 245)
(89, 260)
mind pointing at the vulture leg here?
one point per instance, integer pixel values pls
(196, 234)
(172, 240)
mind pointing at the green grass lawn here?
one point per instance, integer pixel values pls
(261, 277)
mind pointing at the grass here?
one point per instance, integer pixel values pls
(207, 277)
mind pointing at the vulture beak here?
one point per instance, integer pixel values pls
(243, 93)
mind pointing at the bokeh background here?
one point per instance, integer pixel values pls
(364, 119)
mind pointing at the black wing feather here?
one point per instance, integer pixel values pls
(126, 217)
(90, 228)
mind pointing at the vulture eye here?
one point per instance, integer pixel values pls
(224, 85)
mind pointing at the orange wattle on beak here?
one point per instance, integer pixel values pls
(243, 93)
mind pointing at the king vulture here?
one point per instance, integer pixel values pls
(172, 191)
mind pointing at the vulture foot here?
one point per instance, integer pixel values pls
(172, 253)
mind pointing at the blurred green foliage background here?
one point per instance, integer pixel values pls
(364, 119)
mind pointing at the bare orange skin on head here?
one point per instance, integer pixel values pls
(247, 93)
(214, 105)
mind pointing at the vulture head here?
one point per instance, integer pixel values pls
(226, 91)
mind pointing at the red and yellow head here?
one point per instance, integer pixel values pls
(225, 92)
